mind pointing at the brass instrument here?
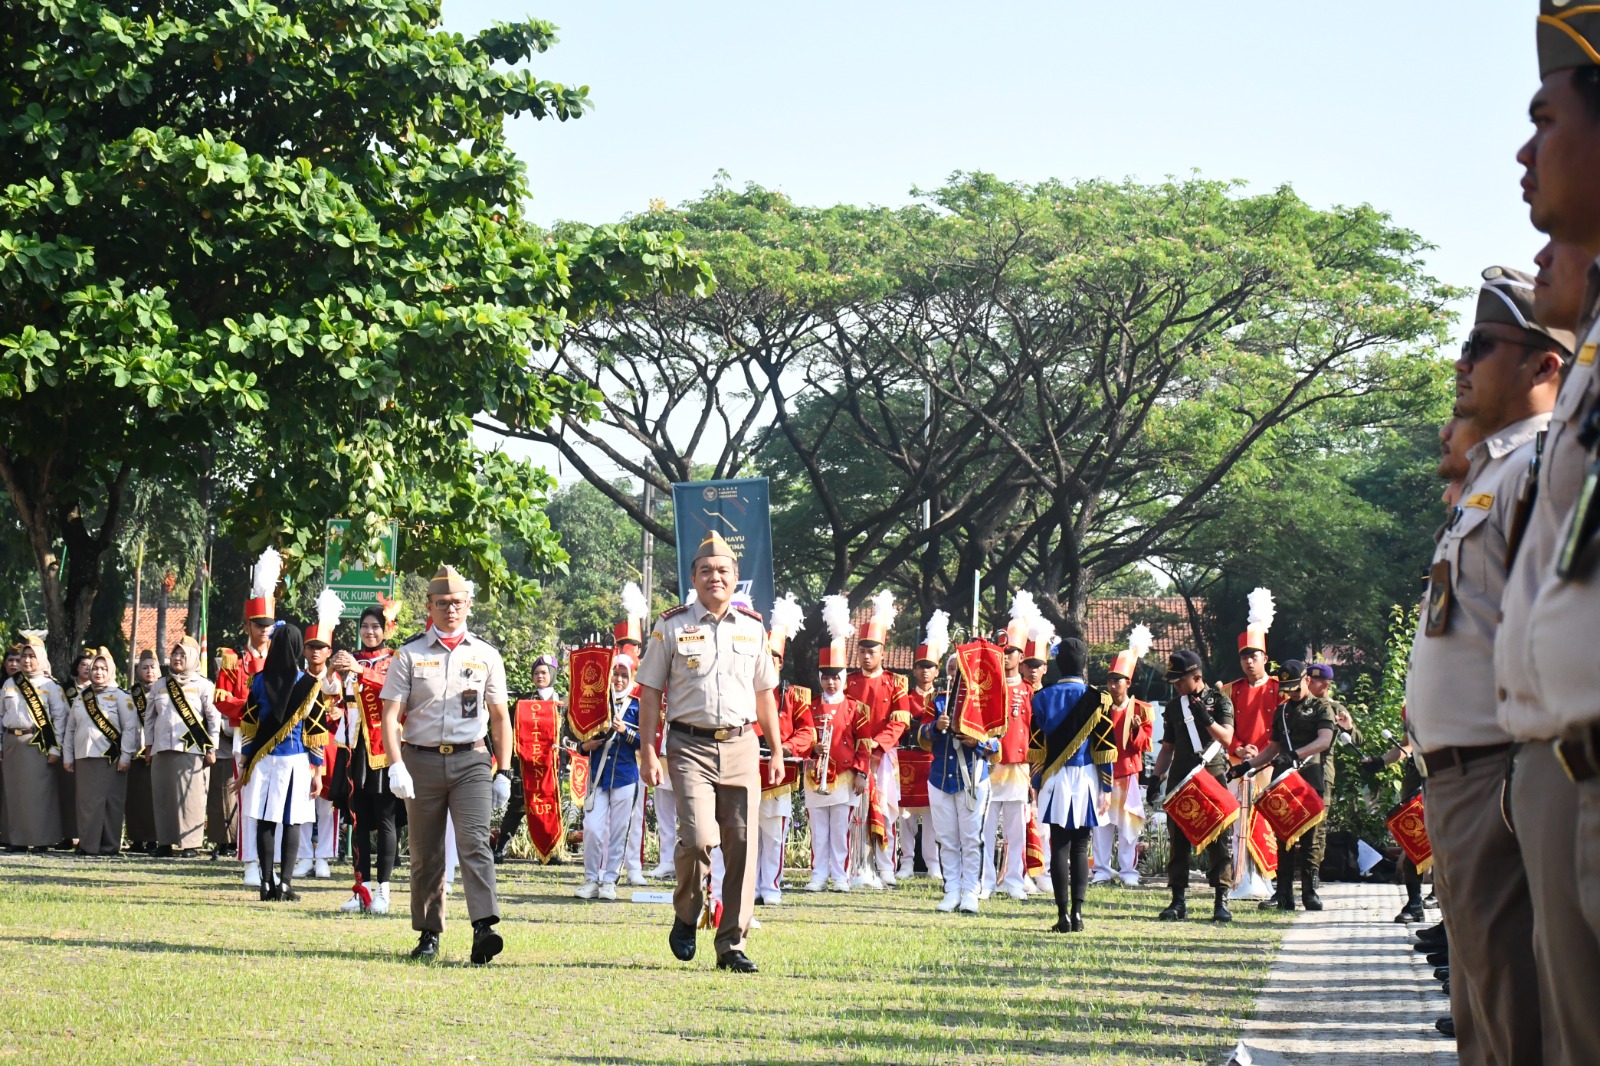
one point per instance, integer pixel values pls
(619, 704)
(823, 761)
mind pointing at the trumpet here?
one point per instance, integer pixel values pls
(822, 763)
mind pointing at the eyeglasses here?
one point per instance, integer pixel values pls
(1477, 346)
(451, 605)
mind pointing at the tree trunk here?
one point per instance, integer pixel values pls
(161, 621)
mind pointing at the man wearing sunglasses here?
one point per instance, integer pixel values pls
(1506, 381)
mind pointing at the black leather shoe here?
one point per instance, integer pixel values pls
(1446, 1025)
(1445, 987)
(1441, 973)
(189, 853)
(486, 943)
(1063, 925)
(1439, 958)
(286, 893)
(737, 961)
(427, 948)
(1434, 934)
(165, 851)
(1075, 919)
(1176, 911)
(1219, 909)
(682, 940)
(1411, 912)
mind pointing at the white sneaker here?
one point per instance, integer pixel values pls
(351, 905)
(662, 871)
(839, 885)
(1046, 887)
(637, 879)
(321, 869)
(302, 867)
(983, 893)
(949, 902)
(380, 898)
(1131, 880)
(1016, 892)
(888, 880)
(817, 884)
(754, 924)
(772, 899)
(905, 873)
(588, 890)
(608, 892)
(968, 903)
(1029, 887)
(252, 874)
(936, 874)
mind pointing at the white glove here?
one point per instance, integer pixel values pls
(502, 789)
(400, 781)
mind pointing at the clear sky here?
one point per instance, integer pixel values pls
(1416, 108)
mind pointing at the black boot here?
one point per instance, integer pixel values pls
(486, 943)
(1282, 897)
(1411, 912)
(269, 887)
(1177, 910)
(1075, 919)
(1219, 909)
(1309, 879)
(427, 948)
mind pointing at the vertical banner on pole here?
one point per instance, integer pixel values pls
(739, 509)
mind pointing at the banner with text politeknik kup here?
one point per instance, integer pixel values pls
(739, 509)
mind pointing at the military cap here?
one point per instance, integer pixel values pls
(715, 545)
(1182, 662)
(1291, 670)
(447, 582)
(1568, 35)
(1506, 297)
(1320, 671)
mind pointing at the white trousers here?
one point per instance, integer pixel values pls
(830, 840)
(633, 860)
(605, 833)
(910, 819)
(958, 836)
(666, 802)
(327, 823)
(774, 826)
(1109, 836)
(887, 773)
(1011, 818)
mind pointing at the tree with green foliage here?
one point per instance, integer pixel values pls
(284, 248)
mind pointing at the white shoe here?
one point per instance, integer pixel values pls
(663, 871)
(637, 879)
(888, 879)
(1101, 877)
(380, 898)
(948, 904)
(588, 890)
(816, 884)
(352, 905)
(1045, 888)
(905, 873)
(936, 874)
(1131, 880)
(839, 885)
(1017, 893)
(1029, 887)
(772, 899)
(754, 924)
(608, 892)
(968, 903)
(321, 869)
(982, 893)
(252, 874)
(302, 867)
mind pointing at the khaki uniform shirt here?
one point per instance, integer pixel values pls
(445, 693)
(163, 725)
(83, 739)
(710, 668)
(14, 713)
(1450, 688)
(1523, 713)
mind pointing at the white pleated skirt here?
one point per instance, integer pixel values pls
(279, 782)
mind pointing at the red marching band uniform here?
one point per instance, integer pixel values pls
(1254, 707)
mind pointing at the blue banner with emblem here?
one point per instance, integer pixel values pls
(739, 509)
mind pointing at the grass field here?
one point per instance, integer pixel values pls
(131, 960)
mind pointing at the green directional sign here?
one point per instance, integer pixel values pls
(358, 582)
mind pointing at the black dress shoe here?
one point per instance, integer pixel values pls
(189, 853)
(1441, 973)
(737, 961)
(1445, 987)
(164, 851)
(486, 943)
(427, 948)
(682, 939)
(1063, 925)
(1411, 912)
(1428, 947)
(287, 894)
(1446, 1025)
(1176, 911)
(1434, 934)
(1439, 958)
(1075, 920)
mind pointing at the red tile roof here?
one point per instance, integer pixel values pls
(1107, 622)
(177, 617)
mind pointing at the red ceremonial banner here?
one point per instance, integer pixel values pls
(1292, 807)
(578, 776)
(1202, 807)
(1263, 844)
(914, 768)
(589, 701)
(370, 707)
(1409, 830)
(878, 816)
(980, 691)
(538, 749)
(1033, 861)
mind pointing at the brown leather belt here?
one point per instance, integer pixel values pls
(1578, 755)
(727, 733)
(1457, 758)
(449, 749)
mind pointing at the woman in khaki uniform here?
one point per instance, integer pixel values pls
(32, 714)
(182, 728)
(97, 747)
(140, 813)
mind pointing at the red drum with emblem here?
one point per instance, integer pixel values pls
(1201, 807)
(914, 769)
(1291, 807)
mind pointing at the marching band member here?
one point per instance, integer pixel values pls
(798, 735)
(1008, 795)
(34, 714)
(544, 675)
(260, 612)
(1255, 701)
(1074, 778)
(613, 779)
(97, 746)
(1195, 718)
(1131, 727)
(628, 636)
(139, 814)
(314, 855)
(837, 773)
(1035, 664)
(374, 810)
(921, 705)
(884, 694)
(182, 731)
(958, 794)
(284, 730)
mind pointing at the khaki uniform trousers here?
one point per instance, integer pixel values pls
(1586, 852)
(1488, 912)
(458, 785)
(718, 789)
(1544, 810)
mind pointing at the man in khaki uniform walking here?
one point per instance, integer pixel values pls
(1506, 383)
(712, 657)
(448, 688)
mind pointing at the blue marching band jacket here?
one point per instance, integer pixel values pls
(949, 755)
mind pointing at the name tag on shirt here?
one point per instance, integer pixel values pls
(1481, 501)
(426, 667)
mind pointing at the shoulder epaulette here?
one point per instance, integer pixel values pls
(413, 638)
(751, 611)
(673, 612)
(901, 685)
(801, 693)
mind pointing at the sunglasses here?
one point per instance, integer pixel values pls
(1478, 346)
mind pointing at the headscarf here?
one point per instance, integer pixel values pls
(278, 675)
(105, 653)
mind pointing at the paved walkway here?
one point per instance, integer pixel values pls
(1347, 989)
